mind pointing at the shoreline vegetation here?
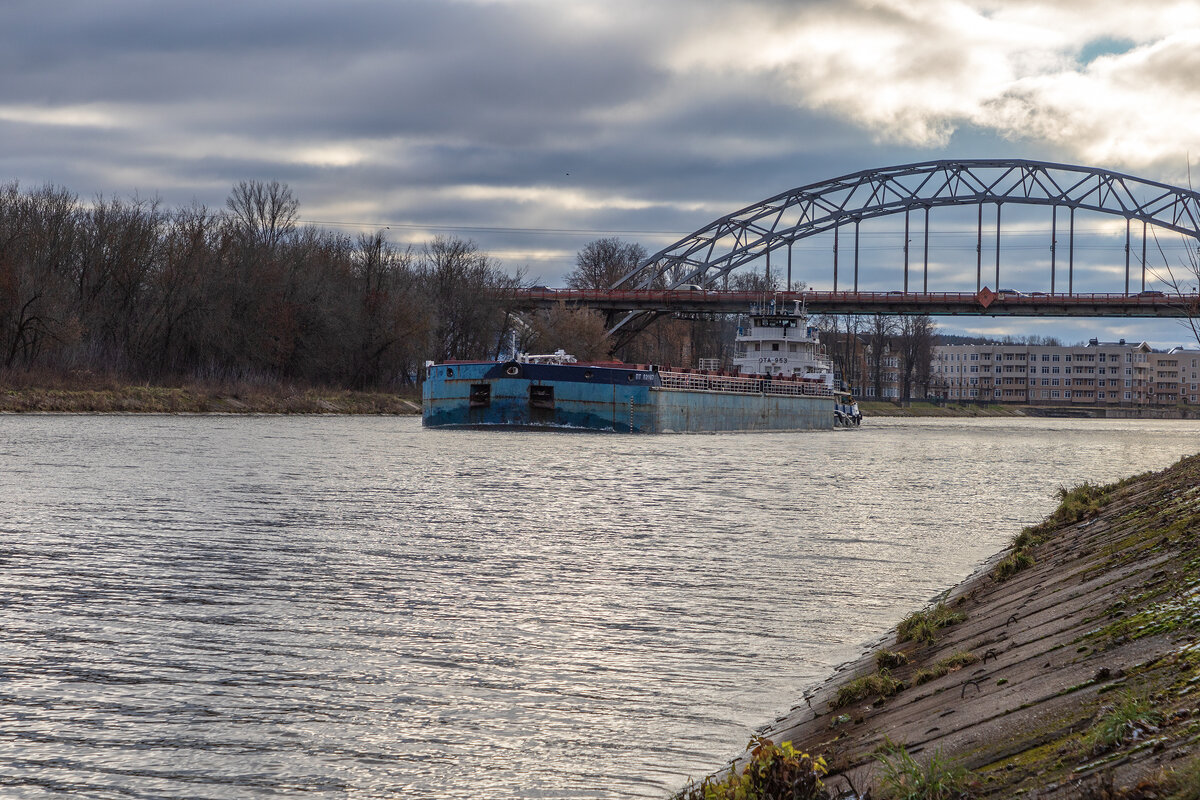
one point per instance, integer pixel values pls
(98, 397)
(1067, 667)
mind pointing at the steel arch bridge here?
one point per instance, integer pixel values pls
(709, 255)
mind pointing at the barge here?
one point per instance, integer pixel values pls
(782, 381)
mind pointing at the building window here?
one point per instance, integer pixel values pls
(1066, 395)
(1054, 382)
(1045, 381)
(1053, 395)
(1054, 358)
(1128, 395)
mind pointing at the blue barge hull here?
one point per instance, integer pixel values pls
(624, 399)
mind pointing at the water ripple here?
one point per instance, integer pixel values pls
(208, 607)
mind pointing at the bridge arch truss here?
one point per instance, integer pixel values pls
(711, 253)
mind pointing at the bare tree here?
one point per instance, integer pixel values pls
(265, 212)
(39, 234)
(1183, 280)
(389, 313)
(581, 332)
(466, 289)
(754, 281)
(915, 346)
(880, 331)
(603, 262)
(845, 347)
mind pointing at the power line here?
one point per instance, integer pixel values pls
(489, 228)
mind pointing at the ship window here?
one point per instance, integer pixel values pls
(791, 347)
(775, 345)
(541, 396)
(481, 395)
(756, 346)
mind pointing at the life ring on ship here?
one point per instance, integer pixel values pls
(512, 370)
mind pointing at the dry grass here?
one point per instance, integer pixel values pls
(89, 393)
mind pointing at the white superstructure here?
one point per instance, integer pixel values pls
(779, 341)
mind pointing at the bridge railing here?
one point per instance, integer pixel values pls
(747, 384)
(756, 298)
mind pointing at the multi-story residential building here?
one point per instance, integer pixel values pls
(1098, 373)
(1189, 368)
(1094, 374)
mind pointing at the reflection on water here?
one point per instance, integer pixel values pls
(208, 607)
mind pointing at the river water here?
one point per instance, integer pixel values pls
(230, 607)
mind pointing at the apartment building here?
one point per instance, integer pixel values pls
(1098, 373)
(1189, 367)
(1094, 374)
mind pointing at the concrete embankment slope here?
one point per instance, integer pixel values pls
(1074, 670)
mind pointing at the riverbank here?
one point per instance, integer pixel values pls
(203, 399)
(917, 408)
(1068, 667)
(878, 408)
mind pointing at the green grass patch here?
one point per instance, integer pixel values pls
(945, 666)
(881, 684)
(1129, 718)
(1083, 501)
(888, 659)
(1180, 610)
(1184, 783)
(922, 626)
(1013, 563)
(905, 778)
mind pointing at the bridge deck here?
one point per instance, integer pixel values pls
(984, 303)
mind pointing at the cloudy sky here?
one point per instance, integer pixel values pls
(535, 126)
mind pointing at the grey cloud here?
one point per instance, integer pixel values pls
(450, 94)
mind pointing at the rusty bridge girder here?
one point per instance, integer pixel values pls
(983, 303)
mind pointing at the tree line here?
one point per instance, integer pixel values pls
(128, 288)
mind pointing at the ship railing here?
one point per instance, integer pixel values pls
(747, 384)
